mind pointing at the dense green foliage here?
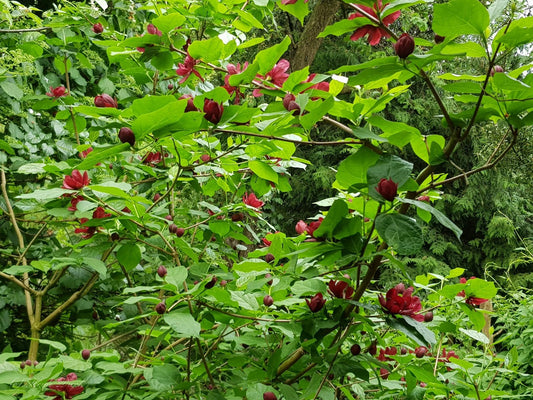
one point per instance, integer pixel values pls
(184, 216)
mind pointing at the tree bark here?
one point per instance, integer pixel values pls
(322, 15)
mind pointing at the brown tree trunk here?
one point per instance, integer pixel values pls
(322, 15)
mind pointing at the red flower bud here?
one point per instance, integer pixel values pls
(316, 302)
(404, 46)
(190, 102)
(237, 217)
(98, 28)
(162, 271)
(211, 283)
(387, 188)
(85, 354)
(428, 317)
(213, 111)
(439, 39)
(423, 198)
(180, 232)
(173, 228)
(384, 373)
(268, 300)
(105, 100)
(269, 257)
(496, 68)
(355, 349)
(160, 308)
(421, 351)
(269, 396)
(373, 348)
(301, 227)
(57, 92)
(126, 135)
(205, 158)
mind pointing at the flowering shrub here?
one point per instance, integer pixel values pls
(154, 279)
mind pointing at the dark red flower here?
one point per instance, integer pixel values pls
(126, 135)
(423, 198)
(399, 300)
(152, 30)
(213, 111)
(340, 289)
(186, 68)
(387, 188)
(286, 2)
(289, 102)
(375, 33)
(69, 391)
(404, 46)
(105, 100)
(384, 373)
(446, 355)
(266, 242)
(387, 351)
(277, 75)
(268, 300)
(190, 102)
(313, 226)
(99, 212)
(234, 70)
(75, 181)
(74, 202)
(439, 39)
(252, 200)
(301, 227)
(98, 28)
(152, 158)
(57, 92)
(85, 153)
(316, 302)
(269, 396)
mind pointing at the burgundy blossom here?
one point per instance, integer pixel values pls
(374, 33)
(387, 351)
(105, 100)
(234, 70)
(313, 226)
(277, 75)
(316, 302)
(387, 188)
(57, 92)
(98, 28)
(301, 227)
(399, 300)
(186, 68)
(190, 102)
(126, 135)
(213, 111)
(75, 181)
(152, 30)
(69, 391)
(89, 231)
(252, 200)
(85, 153)
(340, 289)
(74, 202)
(152, 158)
(404, 46)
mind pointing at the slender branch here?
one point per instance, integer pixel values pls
(244, 316)
(114, 339)
(43, 28)
(17, 282)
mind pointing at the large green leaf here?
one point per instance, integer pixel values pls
(168, 22)
(335, 215)
(160, 118)
(443, 219)
(460, 17)
(352, 170)
(208, 50)
(129, 255)
(101, 154)
(413, 329)
(183, 324)
(267, 58)
(263, 170)
(162, 377)
(400, 232)
(176, 276)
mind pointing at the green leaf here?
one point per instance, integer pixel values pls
(251, 264)
(400, 232)
(388, 167)
(460, 17)
(56, 345)
(148, 104)
(518, 33)
(129, 256)
(480, 337)
(183, 324)
(341, 27)
(11, 377)
(335, 215)
(413, 329)
(221, 228)
(208, 50)
(162, 117)
(352, 170)
(266, 59)
(300, 9)
(427, 147)
(443, 219)
(176, 276)
(480, 288)
(97, 265)
(504, 82)
(162, 61)
(169, 22)
(497, 8)
(263, 170)
(316, 110)
(6, 147)
(162, 377)
(101, 154)
(308, 287)
(45, 194)
(12, 89)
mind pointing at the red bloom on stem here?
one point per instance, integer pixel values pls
(316, 302)
(75, 181)
(152, 30)
(473, 301)
(74, 203)
(301, 227)
(57, 92)
(213, 111)
(340, 289)
(399, 300)
(190, 102)
(234, 70)
(404, 46)
(387, 351)
(313, 226)
(375, 33)
(186, 68)
(252, 200)
(387, 188)
(69, 391)
(98, 28)
(89, 231)
(277, 75)
(105, 100)
(153, 158)
(99, 212)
